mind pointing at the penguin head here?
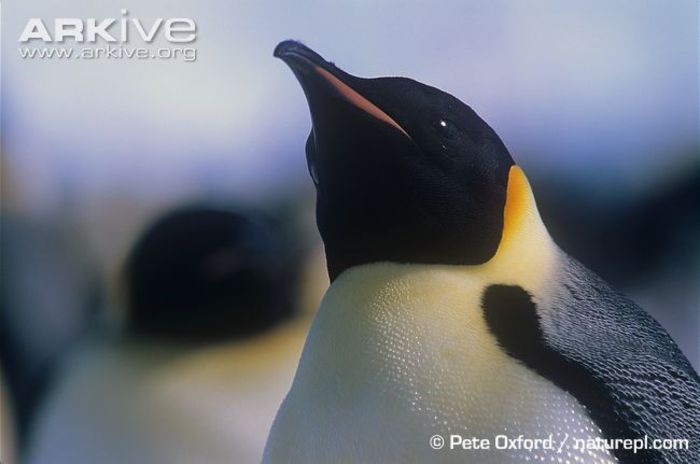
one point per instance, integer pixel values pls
(404, 172)
(203, 273)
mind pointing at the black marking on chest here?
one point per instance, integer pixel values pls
(512, 318)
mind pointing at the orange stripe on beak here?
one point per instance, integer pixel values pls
(358, 100)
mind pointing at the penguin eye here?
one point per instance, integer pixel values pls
(448, 130)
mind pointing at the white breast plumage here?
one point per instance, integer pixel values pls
(399, 353)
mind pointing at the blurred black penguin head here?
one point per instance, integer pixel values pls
(203, 273)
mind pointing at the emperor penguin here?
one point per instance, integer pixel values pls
(452, 315)
(209, 347)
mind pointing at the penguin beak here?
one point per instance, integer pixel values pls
(316, 75)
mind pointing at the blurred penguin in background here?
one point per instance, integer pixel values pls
(48, 300)
(207, 274)
(210, 349)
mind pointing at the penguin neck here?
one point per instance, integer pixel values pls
(525, 254)
(526, 247)
(526, 257)
(380, 324)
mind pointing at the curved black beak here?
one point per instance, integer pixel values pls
(300, 57)
(316, 75)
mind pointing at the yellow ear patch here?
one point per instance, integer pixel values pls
(526, 253)
(358, 100)
(518, 202)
